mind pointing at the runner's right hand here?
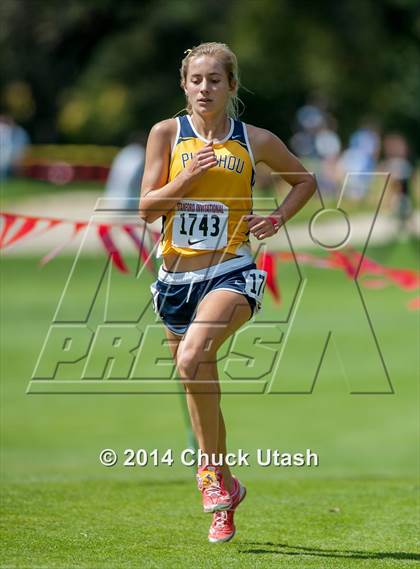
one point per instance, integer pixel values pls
(202, 161)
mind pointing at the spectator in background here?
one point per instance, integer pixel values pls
(396, 162)
(327, 146)
(13, 142)
(123, 184)
(316, 140)
(309, 120)
(359, 160)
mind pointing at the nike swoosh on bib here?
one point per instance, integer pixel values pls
(194, 242)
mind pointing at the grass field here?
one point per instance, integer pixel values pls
(359, 507)
(16, 189)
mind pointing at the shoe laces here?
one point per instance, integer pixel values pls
(214, 490)
(220, 519)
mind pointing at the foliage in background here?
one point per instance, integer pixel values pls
(95, 71)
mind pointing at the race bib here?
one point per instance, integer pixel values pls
(200, 225)
(255, 283)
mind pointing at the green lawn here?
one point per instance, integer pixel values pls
(359, 507)
(16, 189)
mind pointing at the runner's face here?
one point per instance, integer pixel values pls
(207, 86)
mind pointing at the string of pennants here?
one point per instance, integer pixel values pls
(16, 227)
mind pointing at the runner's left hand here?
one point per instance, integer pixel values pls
(261, 226)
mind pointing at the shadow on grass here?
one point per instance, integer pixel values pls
(281, 548)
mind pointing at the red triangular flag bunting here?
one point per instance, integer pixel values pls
(52, 254)
(116, 258)
(343, 261)
(414, 303)
(27, 226)
(140, 244)
(9, 220)
(267, 262)
(404, 278)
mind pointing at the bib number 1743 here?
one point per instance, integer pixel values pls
(200, 225)
(189, 220)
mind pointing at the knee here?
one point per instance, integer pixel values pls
(189, 361)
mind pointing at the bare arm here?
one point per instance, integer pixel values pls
(158, 196)
(268, 148)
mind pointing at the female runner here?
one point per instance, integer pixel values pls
(198, 177)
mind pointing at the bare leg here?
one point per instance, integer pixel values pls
(219, 315)
(227, 476)
(174, 341)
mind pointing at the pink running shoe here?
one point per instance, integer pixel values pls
(212, 488)
(223, 527)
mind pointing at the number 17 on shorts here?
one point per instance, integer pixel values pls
(255, 283)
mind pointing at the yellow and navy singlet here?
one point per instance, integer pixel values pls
(210, 216)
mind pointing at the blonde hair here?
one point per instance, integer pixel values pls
(227, 58)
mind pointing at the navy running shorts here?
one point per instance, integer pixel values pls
(176, 295)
